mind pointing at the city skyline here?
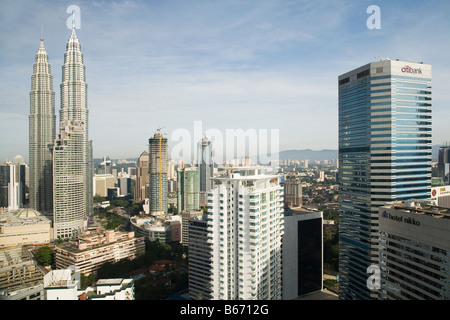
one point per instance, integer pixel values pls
(230, 65)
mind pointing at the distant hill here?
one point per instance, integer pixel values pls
(308, 154)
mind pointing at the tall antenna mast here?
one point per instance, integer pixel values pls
(73, 19)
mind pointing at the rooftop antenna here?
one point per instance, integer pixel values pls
(73, 17)
(42, 32)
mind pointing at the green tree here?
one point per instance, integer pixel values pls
(120, 203)
(331, 250)
(114, 222)
(86, 281)
(331, 214)
(98, 199)
(134, 209)
(44, 255)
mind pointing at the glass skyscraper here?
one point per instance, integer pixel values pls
(205, 163)
(158, 173)
(384, 155)
(187, 189)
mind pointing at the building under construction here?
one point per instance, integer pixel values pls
(20, 276)
(158, 174)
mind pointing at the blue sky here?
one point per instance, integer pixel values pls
(231, 64)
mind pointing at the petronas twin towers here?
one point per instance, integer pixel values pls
(61, 163)
(42, 133)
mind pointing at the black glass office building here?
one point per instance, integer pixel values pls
(384, 155)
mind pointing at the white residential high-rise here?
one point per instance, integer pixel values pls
(72, 155)
(245, 228)
(42, 133)
(69, 176)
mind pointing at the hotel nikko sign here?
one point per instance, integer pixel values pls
(399, 218)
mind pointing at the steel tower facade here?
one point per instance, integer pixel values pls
(42, 133)
(158, 174)
(73, 149)
(205, 163)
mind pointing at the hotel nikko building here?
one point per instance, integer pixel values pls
(384, 155)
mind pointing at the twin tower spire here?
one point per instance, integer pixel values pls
(61, 162)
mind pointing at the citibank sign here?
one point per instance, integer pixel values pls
(408, 69)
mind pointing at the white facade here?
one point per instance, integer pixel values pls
(441, 196)
(101, 184)
(24, 227)
(113, 289)
(61, 285)
(245, 226)
(11, 187)
(65, 285)
(69, 181)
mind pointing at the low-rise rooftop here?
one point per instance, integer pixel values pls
(421, 207)
(21, 217)
(92, 240)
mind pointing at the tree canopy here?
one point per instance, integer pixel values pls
(44, 255)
